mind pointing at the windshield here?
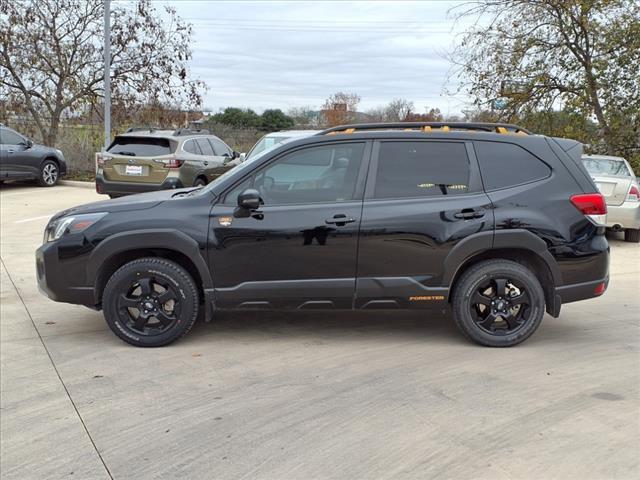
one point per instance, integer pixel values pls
(265, 143)
(606, 166)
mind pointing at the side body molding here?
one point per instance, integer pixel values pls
(153, 238)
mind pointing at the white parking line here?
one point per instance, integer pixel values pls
(33, 218)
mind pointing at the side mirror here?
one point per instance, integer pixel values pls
(28, 143)
(242, 157)
(249, 199)
(235, 155)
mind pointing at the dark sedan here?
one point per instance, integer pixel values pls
(21, 159)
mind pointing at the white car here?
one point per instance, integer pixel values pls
(616, 181)
(274, 138)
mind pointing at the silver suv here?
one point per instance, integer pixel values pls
(146, 159)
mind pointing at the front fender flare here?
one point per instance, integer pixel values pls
(166, 239)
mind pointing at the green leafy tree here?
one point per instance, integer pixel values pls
(237, 117)
(579, 56)
(51, 58)
(274, 120)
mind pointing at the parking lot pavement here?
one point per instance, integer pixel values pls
(310, 396)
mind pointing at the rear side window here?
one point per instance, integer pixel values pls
(421, 169)
(141, 146)
(205, 147)
(190, 146)
(506, 165)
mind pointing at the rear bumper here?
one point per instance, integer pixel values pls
(626, 215)
(128, 188)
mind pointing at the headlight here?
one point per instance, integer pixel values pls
(71, 224)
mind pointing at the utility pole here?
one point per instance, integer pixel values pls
(107, 73)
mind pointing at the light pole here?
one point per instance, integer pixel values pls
(107, 73)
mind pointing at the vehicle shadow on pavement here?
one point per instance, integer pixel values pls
(327, 325)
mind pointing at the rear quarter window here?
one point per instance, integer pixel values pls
(141, 146)
(504, 165)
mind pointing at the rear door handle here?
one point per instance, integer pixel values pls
(469, 213)
(339, 220)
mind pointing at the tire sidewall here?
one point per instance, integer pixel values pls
(472, 281)
(122, 280)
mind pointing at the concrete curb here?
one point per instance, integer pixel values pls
(77, 183)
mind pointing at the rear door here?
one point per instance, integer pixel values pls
(423, 197)
(142, 159)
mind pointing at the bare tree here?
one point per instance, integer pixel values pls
(538, 55)
(51, 57)
(398, 110)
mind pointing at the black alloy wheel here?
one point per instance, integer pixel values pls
(150, 307)
(150, 302)
(498, 303)
(500, 306)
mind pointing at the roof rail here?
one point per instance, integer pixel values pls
(191, 131)
(428, 127)
(143, 129)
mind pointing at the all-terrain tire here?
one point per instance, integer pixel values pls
(124, 295)
(473, 279)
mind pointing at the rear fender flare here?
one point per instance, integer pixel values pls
(503, 239)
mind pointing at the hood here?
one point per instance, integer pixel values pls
(141, 201)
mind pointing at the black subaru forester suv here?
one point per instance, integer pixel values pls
(486, 219)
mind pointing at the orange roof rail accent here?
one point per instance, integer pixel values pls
(445, 128)
(501, 130)
(350, 130)
(426, 128)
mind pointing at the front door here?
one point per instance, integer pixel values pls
(299, 250)
(422, 199)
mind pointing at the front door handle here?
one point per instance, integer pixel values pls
(339, 220)
(469, 213)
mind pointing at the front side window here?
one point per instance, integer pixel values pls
(219, 147)
(7, 137)
(421, 169)
(312, 175)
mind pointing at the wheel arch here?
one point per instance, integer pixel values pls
(122, 248)
(530, 251)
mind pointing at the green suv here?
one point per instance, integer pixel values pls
(145, 159)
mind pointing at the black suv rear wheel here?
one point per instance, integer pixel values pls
(150, 302)
(498, 303)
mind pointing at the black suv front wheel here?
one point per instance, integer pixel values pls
(498, 303)
(150, 302)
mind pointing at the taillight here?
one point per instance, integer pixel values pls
(591, 205)
(634, 194)
(172, 163)
(100, 159)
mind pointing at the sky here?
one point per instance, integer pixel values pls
(283, 54)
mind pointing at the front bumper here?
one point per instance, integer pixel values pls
(62, 282)
(128, 188)
(626, 215)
